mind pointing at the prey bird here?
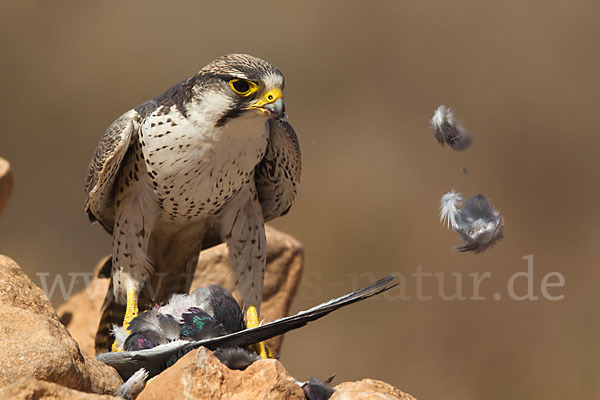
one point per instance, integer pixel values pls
(208, 161)
(207, 312)
(230, 343)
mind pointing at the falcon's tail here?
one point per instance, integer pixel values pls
(111, 314)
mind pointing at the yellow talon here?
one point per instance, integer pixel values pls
(252, 322)
(130, 313)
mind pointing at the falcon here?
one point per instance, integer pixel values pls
(207, 161)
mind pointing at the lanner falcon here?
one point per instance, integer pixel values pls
(208, 161)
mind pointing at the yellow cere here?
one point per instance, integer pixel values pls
(270, 97)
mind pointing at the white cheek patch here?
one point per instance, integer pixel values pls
(210, 107)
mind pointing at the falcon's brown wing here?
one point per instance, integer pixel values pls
(104, 169)
(277, 176)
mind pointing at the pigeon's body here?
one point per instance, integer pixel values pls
(150, 329)
(215, 301)
(207, 312)
(205, 162)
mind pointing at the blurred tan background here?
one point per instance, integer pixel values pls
(362, 81)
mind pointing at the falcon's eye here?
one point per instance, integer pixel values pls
(243, 87)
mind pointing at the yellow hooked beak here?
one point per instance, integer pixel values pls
(271, 103)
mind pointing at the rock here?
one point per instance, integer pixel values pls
(29, 388)
(35, 343)
(200, 375)
(102, 378)
(368, 389)
(285, 259)
(6, 183)
(17, 290)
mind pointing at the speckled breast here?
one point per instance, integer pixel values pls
(195, 170)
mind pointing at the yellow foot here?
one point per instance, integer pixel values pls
(130, 313)
(252, 322)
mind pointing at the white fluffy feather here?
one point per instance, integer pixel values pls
(177, 305)
(449, 205)
(120, 335)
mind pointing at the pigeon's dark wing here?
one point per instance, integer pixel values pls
(277, 176)
(156, 359)
(104, 169)
(283, 325)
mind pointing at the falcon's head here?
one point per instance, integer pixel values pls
(236, 84)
